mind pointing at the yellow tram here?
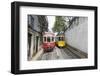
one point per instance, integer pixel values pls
(60, 41)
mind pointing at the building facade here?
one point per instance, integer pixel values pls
(36, 26)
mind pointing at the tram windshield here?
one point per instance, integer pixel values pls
(61, 38)
(48, 39)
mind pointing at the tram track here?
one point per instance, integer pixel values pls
(70, 53)
(75, 53)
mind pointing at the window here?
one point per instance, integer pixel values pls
(44, 39)
(48, 39)
(61, 38)
(29, 39)
(52, 38)
(29, 45)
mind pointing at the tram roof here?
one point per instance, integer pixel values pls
(49, 33)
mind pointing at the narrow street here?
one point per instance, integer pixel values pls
(69, 32)
(57, 53)
(61, 53)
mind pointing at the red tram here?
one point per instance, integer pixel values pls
(48, 41)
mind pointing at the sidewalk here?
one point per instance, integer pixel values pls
(39, 54)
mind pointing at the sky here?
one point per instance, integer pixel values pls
(51, 20)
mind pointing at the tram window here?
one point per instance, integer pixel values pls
(48, 39)
(52, 38)
(44, 38)
(60, 38)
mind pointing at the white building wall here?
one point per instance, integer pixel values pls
(77, 36)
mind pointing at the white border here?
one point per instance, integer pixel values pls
(26, 65)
